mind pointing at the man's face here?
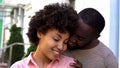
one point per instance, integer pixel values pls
(83, 37)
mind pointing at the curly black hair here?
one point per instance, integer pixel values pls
(53, 16)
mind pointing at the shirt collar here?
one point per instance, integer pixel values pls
(30, 59)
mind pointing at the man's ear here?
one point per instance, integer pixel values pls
(97, 36)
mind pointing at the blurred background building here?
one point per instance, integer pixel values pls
(20, 12)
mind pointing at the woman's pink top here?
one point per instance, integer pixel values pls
(28, 62)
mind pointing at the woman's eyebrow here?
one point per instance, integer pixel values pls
(58, 35)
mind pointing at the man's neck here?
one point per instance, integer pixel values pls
(93, 44)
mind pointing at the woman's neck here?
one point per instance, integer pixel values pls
(41, 60)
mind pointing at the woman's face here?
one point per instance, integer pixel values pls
(53, 43)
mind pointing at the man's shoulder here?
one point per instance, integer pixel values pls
(104, 48)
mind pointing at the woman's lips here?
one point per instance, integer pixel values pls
(56, 52)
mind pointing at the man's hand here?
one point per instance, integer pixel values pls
(77, 64)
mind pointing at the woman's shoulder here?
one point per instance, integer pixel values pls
(19, 64)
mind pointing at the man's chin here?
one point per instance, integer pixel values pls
(73, 47)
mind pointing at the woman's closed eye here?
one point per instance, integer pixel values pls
(56, 39)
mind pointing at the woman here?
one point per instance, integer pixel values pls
(50, 30)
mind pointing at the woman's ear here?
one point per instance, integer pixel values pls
(39, 34)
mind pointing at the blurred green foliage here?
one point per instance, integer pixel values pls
(17, 50)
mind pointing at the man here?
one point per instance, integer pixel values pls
(84, 44)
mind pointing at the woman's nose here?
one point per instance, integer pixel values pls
(60, 46)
